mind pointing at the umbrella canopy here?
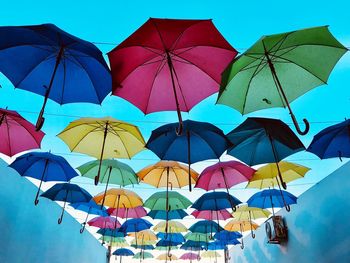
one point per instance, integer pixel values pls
(109, 232)
(119, 198)
(144, 235)
(45, 60)
(205, 226)
(240, 225)
(163, 215)
(202, 237)
(215, 201)
(200, 141)
(143, 255)
(138, 241)
(210, 254)
(220, 245)
(135, 225)
(332, 142)
(272, 198)
(143, 247)
(227, 235)
(245, 212)
(117, 242)
(190, 256)
(17, 133)
(224, 175)
(194, 245)
(179, 62)
(123, 252)
(90, 208)
(103, 138)
(267, 175)
(167, 173)
(44, 166)
(104, 222)
(263, 140)
(67, 192)
(279, 68)
(167, 256)
(222, 214)
(158, 201)
(175, 237)
(135, 212)
(168, 243)
(173, 227)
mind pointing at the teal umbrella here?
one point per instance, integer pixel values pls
(279, 68)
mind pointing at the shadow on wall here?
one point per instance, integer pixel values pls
(31, 234)
(318, 227)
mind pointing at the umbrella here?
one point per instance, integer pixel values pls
(200, 141)
(44, 166)
(245, 212)
(135, 225)
(173, 227)
(104, 222)
(143, 255)
(211, 254)
(221, 245)
(167, 256)
(279, 68)
(123, 252)
(222, 214)
(173, 214)
(67, 192)
(331, 142)
(115, 242)
(143, 247)
(202, 237)
(173, 237)
(108, 232)
(90, 208)
(168, 243)
(266, 176)
(262, 140)
(190, 256)
(134, 242)
(144, 235)
(272, 198)
(194, 245)
(215, 201)
(112, 171)
(103, 138)
(17, 133)
(206, 226)
(45, 60)
(135, 212)
(227, 235)
(179, 62)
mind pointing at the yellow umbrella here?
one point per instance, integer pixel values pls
(146, 235)
(173, 227)
(119, 198)
(267, 175)
(103, 138)
(167, 256)
(210, 254)
(241, 226)
(247, 213)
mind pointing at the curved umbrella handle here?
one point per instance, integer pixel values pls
(284, 185)
(297, 127)
(36, 201)
(287, 208)
(253, 235)
(82, 229)
(242, 245)
(59, 221)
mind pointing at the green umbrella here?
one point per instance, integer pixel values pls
(111, 172)
(198, 237)
(143, 255)
(158, 201)
(279, 68)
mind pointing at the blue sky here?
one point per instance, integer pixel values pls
(242, 23)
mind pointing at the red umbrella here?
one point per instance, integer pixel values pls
(212, 215)
(17, 134)
(170, 64)
(136, 212)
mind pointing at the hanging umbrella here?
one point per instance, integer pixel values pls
(112, 171)
(190, 256)
(168, 243)
(240, 225)
(145, 235)
(167, 256)
(332, 142)
(143, 255)
(138, 241)
(262, 140)
(143, 247)
(103, 138)
(200, 141)
(44, 166)
(173, 237)
(266, 176)
(45, 60)
(135, 212)
(179, 62)
(215, 201)
(221, 245)
(90, 208)
(194, 245)
(163, 215)
(211, 254)
(279, 68)
(68, 193)
(173, 227)
(202, 237)
(222, 214)
(17, 134)
(245, 212)
(105, 222)
(118, 242)
(206, 226)
(227, 235)
(123, 252)
(135, 225)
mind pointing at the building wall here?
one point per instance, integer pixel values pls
(318, 227)
(31, 234)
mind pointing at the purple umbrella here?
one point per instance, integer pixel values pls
(212, 215)
(104, 222)
(136, 212)
(190, 256)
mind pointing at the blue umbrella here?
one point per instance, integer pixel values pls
(112, 233)
(205, 226)
(44, 166)
(168, 243)
(172, 214)
(219, 245)
(142, 247)
(194, 245)
(272, 198)
(135, 225)
(215, 201)
(46, 60)
(123, 252)
(334, 141)
(90, 208)
(199, 141)
(175, 237)
(262, 140)
(227, 235)
(67, 192)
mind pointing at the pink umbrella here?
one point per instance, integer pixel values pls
(190, 256)
(136, 212)
(104, 222)
(170, 64)
(212, 215)
(17, 134)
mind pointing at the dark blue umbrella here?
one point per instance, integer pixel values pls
(227, 235)
(123, 252)
(215, 201)
(46, 60)
(90, 208)
(135, 225)
(199, 141)
(194, 245)
(168, 243)
(172, 214)
(44, 166)
(175, 237)
(334, 141)
(68, 193)
(112, 233)
(219, 245)
(205, 226)
(143, 247)
(262, 140)
(272, 198)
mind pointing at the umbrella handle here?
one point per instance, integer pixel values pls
(253, 235)
(36, 201)
(287, 208)
(40, 121)
(82, 229)
(59, 221)
(179, 129)
(297, 127)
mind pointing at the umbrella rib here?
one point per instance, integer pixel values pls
(88, 133)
